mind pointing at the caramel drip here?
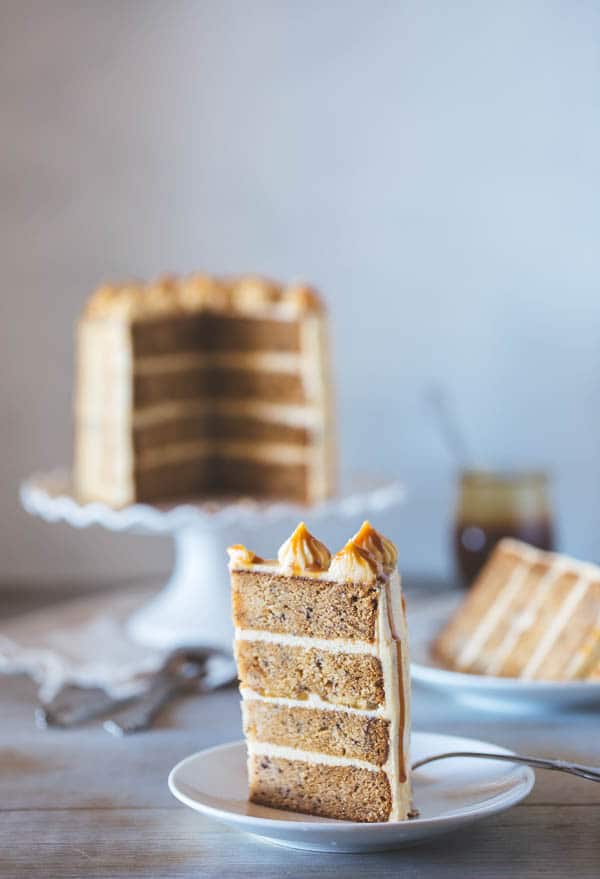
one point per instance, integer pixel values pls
(399, 665)
(402, 715)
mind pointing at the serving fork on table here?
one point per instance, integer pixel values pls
(186, 670)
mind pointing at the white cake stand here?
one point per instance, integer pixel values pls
(193, 607)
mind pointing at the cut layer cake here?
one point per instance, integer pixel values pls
(322, 655)
(198, 385)
(530, 614)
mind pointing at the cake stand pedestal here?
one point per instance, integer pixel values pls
(193, 608)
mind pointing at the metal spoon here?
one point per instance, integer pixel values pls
(592, 773)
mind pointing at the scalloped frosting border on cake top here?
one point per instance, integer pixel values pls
(250, 295)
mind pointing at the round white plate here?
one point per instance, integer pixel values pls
(510, 695)
(448, 795)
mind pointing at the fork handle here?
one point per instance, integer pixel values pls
(592, 773)
(140, 715)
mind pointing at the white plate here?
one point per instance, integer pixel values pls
(427, 616)
(448, 795)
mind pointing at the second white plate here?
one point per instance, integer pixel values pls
(448, 795)
(508, 695)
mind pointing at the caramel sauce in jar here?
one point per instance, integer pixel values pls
(494, 505)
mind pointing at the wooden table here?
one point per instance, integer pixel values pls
(82, 803)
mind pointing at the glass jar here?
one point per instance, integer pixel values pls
(492, 505)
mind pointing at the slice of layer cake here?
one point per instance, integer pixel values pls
(322, 655)
(530, 614)
(203, 386)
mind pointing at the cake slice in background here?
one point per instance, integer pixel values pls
(201, 386)
(530, 614)
(322, 655)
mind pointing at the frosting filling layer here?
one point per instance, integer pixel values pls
(312, 701)
(272, 452)
(267, 749)
(333, 645)
(266, 361)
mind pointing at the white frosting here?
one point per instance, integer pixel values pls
(333, 645)
(280, 453)
(280, 413)
(317, 387)
(533, 555)
(396, 688)
(144, 416)
(311, 701)
(266, 749)
(259, 361)
(271, 566)
(585, 660)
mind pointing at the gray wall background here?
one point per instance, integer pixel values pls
(434, 167)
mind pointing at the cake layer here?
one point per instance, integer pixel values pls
(343, 792)
(256, 361)
(262, 479)
(200, 475)
(312, 608)
(327, 731)
(224, 476)
(170, 335)
(271, 669)
(212, 425)
(204, 383)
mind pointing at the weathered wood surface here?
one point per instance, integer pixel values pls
(84, 804)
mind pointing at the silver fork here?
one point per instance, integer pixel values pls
(187, 671)
(592, 773)
(181, 673)
(184, 669)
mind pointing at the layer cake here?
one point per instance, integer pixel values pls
(530, 614)
(322, 655)
(195, 386)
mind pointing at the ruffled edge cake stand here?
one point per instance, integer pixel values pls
(193, 607)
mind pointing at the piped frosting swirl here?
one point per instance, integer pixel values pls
(354, 564)
(368, 556)
(377, 545)
(302, 552)
(240, 557)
